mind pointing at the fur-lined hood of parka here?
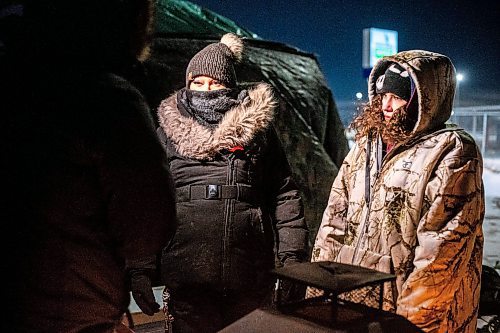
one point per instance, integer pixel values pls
(237, 128)
(434, 78)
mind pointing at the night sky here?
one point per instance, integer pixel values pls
(466, 31)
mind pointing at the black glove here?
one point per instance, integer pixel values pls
(140, 273)
(291, 292)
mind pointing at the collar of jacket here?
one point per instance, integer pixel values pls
(367, 141)
(238, 127)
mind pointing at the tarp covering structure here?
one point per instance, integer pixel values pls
(308, 122)
(183, 17)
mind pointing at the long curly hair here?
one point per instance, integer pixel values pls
(371, 122)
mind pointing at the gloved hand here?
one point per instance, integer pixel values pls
(140, 273)
(291, 292)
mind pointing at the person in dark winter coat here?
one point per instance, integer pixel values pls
(237, 203)
(90, 196)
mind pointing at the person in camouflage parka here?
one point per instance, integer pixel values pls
(426, 201)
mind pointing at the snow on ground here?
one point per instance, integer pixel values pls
(491, 177)
(491, 224)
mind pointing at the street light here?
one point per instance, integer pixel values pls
(358, 102)
(460, 78)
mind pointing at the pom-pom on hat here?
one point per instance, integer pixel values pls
(395, 80)
(217, 61)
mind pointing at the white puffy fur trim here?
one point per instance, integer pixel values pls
(238, 127)
(234, 43)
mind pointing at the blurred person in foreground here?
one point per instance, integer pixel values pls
(237, 202)
(90, 196)
(409, 197)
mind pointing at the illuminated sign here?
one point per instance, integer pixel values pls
(378, 43)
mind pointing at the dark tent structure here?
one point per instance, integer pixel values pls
(308, 121)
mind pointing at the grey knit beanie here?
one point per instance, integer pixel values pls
(217, 61)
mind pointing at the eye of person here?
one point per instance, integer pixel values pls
(197, 82)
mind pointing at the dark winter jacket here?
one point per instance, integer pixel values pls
(90, 189)
(235, 194)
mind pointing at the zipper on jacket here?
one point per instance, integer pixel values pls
(380, 160)
(368, 186)
(227, 221)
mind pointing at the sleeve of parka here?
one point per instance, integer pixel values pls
(285, 202)
(333, 224)
(442, 291)
(135, 175)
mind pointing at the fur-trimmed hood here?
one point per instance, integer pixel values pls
(434, 78)
(238, 127)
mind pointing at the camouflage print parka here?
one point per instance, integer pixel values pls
(425, 208)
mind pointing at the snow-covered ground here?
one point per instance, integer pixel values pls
(491, 177)
(491, 224)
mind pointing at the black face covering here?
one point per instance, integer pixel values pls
(209, 107)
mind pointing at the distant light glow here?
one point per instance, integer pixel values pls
(359, 95)
(460, 77)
